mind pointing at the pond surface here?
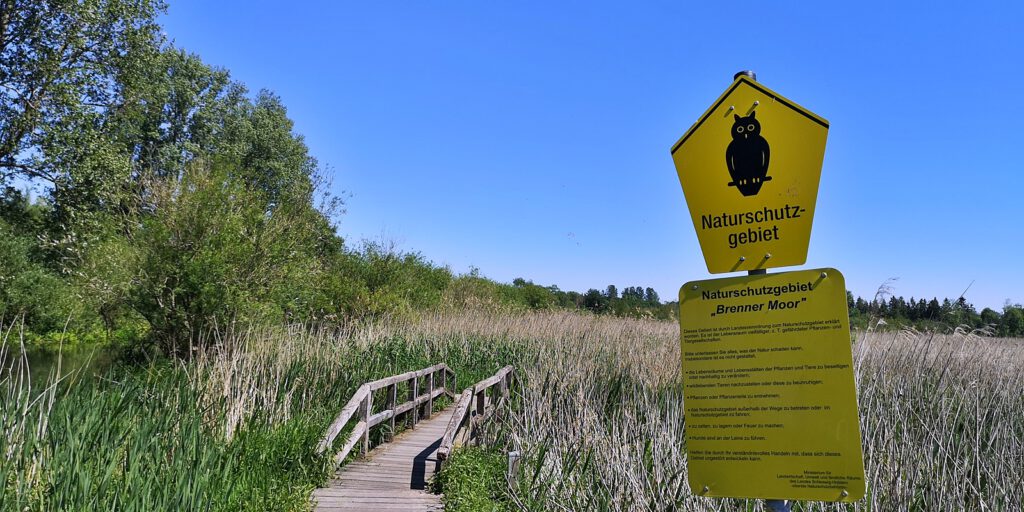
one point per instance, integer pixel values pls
(44, 363)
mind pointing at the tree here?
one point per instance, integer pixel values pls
(990, 318)
(210, 254)
(611, 292)
(62, 70)
(651, 297)
(595, 301)
(1012, 323)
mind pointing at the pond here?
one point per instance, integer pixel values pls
(44, 362)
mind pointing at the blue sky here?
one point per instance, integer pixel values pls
(532, 138)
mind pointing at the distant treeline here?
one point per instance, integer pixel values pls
(633, 301)
(922, 314)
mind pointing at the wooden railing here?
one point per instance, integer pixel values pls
(436, 381)
(473, 408)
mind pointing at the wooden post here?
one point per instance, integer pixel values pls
(430, 395)
(444, 379)
(513, 467)
(414, 386)
(481, 405)
(390, 404)
(367, 412)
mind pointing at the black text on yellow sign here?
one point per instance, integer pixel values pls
(749, 168)
(769, 394)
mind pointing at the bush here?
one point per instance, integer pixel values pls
(215, 252)
(28, 289)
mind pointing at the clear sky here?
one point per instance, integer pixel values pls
(531, 139)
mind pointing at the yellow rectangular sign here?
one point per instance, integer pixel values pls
(769, 393)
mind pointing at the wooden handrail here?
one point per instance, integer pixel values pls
(362, 402)
(475, 415)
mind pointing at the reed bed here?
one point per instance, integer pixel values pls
(600, 418)
(234, 428)
(597, 414)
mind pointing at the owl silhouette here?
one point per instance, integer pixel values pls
(747, 155)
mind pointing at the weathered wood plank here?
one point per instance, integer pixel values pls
(393, 476)
(413, 402)
(387, 381)
(353, 438)
(493, 379)
(364, 394)
(465, 409)
(342, 418)
(461, 407)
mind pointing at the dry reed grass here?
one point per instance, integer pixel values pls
(601, 416)
(599, 412)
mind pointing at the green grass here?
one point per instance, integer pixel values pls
(473, 480)
(233, 429)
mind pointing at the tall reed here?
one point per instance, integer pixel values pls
(601, 420)
(598, 415)
(233, 429)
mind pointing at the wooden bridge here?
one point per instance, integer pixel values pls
(395, 475)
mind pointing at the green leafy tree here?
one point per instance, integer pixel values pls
(28, 289)
(1012, 322)
(61, 63)
(595, 301)
(990, 318)
(211, 254)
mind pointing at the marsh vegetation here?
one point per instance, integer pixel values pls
(597, 415)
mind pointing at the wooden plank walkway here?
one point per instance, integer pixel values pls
(393, 477)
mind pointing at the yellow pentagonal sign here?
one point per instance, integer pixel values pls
(750, 169)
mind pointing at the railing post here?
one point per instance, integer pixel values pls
(481, 405)
(444, 379)
(513, 467)
(430, 395)
(367, 412)
(390, 404)
(414, 386)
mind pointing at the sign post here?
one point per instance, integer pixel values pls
(768, 385)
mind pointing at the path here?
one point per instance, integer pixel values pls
(393, 477)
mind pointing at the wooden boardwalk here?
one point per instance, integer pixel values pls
(393, 477)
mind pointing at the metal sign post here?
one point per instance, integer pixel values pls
(771, 505)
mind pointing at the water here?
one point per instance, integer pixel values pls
(43, 363)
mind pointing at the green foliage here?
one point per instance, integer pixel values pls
(1012, 322)
(213, 251)
(142, 441)
(175, 198)
(60, 64)
(28, 289)
(234, 430)
(397, 282)
(473, 479)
